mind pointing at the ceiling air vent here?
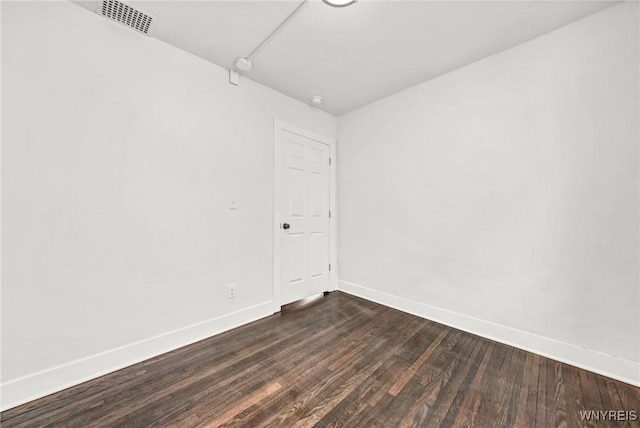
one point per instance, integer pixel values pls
(126, 15)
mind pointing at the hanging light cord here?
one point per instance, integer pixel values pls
(282, 24)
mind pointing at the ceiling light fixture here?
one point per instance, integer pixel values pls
(316, 100)
(243, 64)
(339, 3)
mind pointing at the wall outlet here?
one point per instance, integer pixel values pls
(233, 203)
(231, 291)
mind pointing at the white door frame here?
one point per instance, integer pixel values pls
(278, 127)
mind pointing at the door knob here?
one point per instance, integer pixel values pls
(286, 226)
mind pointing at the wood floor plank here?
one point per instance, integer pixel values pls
(466, 389)
(573, 395)
(385, 382)
(495, 387)
(402, 381)
(436, 399)
(320, 400)
(523, 417)
(514, 386)
(331, 400)
(472, 399)
(215, 420)
(591, 397)
(353, 404)
(541, 408)
(532, 396)
(557, 400)
(629, 396)
(342, 362)
(611, 399)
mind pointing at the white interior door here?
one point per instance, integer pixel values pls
(303, 217)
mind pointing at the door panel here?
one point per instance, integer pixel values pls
(317, 206)
(296, 257)
(304, 246)
(317, 251)
(296, 192)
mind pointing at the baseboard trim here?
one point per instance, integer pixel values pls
(37, 385)
(598, 362)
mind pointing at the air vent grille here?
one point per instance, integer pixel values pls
(127, 15)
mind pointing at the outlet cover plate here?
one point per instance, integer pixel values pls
(231, 291)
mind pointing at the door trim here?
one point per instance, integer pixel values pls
(278, 127)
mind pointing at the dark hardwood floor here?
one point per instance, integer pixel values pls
(342, 362)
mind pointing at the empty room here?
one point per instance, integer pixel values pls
(355, 213)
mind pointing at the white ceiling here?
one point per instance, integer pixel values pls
(354, 55)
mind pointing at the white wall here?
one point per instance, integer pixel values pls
(502, 198)
(119, 156)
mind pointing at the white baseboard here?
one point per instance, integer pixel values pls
(598, 362)
(22, 390)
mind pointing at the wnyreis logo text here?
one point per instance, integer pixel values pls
(609, 415)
